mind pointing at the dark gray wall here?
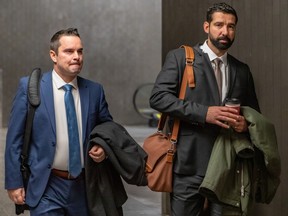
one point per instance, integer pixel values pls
(261, 41)
(122, 45)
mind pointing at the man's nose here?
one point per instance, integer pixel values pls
(224, 30)
(76, 55)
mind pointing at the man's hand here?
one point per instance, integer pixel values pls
(17, 195)
(226, 117)
(97, 153)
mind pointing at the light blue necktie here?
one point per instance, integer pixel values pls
(75, 166)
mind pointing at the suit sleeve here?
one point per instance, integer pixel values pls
(14, 137)
(164, 97)
(104, 114)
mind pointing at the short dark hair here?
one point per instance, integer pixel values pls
(54, 42)
(220, 7)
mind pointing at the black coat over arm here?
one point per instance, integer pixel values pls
(105, 191)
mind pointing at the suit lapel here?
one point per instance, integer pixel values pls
(232, 75)
(212, 83)
(84, 97)
(47, 98)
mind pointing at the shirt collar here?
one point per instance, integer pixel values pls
(206, 49)
(59, 82)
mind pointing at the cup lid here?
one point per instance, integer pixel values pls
(232, 101)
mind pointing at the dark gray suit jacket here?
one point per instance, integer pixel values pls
(196, 138)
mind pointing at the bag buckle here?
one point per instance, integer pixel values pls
(173, 141)
(189, 61)
(169, 156)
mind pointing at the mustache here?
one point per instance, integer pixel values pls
(224, 38)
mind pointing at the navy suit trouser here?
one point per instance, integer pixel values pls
(63, 198)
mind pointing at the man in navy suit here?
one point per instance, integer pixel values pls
(202, 113)
(51, 189)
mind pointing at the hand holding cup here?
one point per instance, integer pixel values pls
(233, 103)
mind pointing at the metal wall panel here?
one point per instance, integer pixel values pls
(122, 45)
(261, 42)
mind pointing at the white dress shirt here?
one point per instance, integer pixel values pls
(61, 158)
(223, 67)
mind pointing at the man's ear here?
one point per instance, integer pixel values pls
(53, 56)
(206, 27)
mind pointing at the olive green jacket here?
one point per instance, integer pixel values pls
(244, 168)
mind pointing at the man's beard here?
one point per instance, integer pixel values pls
(219, 45)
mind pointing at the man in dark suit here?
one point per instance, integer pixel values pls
(52, 189)
(202, 113)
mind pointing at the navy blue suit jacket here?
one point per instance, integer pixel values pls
(94, 110)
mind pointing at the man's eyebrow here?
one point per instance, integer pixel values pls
(69, 49)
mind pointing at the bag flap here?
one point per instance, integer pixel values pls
(157, 146)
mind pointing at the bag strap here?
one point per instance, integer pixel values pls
(189, 65)
(33, 92)
(187, 79)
